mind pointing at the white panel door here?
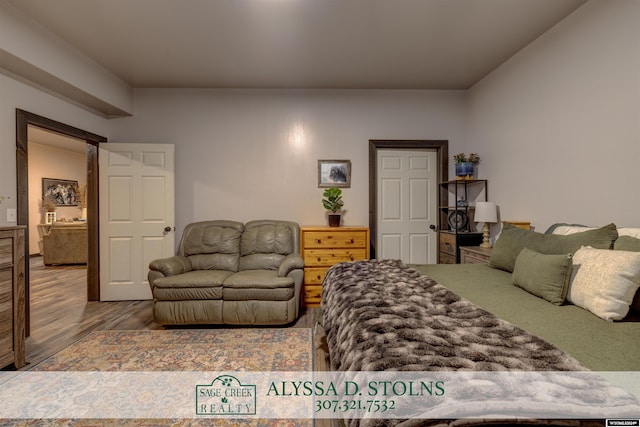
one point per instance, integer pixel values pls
(407, 197)
(136, 216)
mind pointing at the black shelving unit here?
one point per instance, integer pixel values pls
(456, 217)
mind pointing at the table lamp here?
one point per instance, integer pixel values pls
(486, 212)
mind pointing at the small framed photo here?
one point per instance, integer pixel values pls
(334, 173)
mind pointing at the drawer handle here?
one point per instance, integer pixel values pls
(318, 277)
(318, 241)
(319, 259)
(351, 241)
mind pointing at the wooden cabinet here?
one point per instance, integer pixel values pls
(322, 247)
(12, 296)
(450, 243)
(475, 255)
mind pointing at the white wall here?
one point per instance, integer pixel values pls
(248, 154)
(558, 125)
(14, 94)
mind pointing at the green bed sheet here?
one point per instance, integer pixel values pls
(599, 345)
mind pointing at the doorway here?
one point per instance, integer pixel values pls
(24, 119)
(440, 150)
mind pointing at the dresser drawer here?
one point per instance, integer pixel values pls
(448, 244)
(335, 239)
(312, 295)
(328, 257)
(6, 251)
(315, 275)
(446, 258)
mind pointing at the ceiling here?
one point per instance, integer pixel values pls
(342, 44)
(62, 142)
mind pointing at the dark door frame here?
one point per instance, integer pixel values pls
(442, 149)
(23, 120)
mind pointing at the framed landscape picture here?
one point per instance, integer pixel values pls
(334, 173)
(63, 191)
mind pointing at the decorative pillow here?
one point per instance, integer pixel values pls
(627, 243)
(545, 276)
(629, 231)
(604, 282)
(513, 239)
(565, 230)
(562, 225)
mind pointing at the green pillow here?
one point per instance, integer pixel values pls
(627, 243)
(545, 276)
(513, 239)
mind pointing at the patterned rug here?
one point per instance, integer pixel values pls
(277, 349)
(241, 349)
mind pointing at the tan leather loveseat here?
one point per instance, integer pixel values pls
(227, 272)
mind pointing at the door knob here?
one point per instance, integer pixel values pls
(433, 227)
(167, 229)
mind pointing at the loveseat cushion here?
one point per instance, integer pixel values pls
(187, 294)
(265, 244)
(212, 245)
(258, 285)
(194, 279)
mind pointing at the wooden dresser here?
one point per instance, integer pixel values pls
(475, 255)
(322, 247)
(12, 296)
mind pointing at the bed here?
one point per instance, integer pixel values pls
(382, 315)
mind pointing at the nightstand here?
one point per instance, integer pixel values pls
(474, 255)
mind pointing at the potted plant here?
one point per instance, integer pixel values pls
(466, 166)
(332, 202)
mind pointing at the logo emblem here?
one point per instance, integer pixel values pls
(225, 396)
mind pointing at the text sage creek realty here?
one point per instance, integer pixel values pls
(352, 388)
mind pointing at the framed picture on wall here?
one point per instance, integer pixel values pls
(334, 173)
(63, 192)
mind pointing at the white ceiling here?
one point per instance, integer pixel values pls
(372, 44)
(62, 142)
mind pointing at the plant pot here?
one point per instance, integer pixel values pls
(464, 169)
(334, 220)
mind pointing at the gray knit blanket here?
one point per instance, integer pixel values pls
(381, 315)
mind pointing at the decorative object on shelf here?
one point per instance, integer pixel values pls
(334, 173)
(81, 189)
(462, 203)
(466, 167)
(62, 191)
(458, 220)
(49, 203)
(50, 218)
(333, 203)
(487, 213)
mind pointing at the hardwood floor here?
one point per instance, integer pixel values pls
(61, 314)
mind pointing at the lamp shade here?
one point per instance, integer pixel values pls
(486, 212)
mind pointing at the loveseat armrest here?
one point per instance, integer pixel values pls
(289, 263)
(171, 266)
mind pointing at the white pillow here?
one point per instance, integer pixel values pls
(604, 281)
(628, 231)
(565, 230)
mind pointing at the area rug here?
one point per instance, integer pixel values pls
(242, 349)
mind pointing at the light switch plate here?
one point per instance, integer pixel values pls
(11, 215)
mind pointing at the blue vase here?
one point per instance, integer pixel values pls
(464, 169)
